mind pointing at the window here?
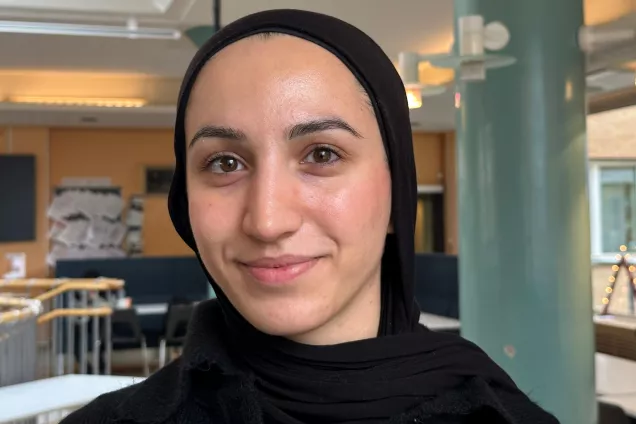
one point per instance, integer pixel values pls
(612, 206)
(617, 207)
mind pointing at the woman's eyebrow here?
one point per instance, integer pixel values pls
(298, 130)
(214, 131)
(320, 125)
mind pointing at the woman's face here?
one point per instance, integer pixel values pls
(289, 190)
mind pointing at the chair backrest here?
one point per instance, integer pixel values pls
(611, 414)
(437, 284)
(125, 326)
(178, 317)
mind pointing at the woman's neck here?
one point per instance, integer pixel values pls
(357, 320)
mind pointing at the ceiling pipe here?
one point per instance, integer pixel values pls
(216, 12)
(54, 28)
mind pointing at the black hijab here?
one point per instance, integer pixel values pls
(364, 381)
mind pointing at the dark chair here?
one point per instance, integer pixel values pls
(126, 331)
(611, 414)
(437, 284)
(178, 317)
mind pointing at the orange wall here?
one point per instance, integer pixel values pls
(33, 141)
(428, 149)
(121, 155)
(159, 235)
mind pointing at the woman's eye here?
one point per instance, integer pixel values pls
(225, 165)
(322, 156)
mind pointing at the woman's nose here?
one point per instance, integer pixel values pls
(272, 208)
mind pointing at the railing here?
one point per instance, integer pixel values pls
(38, 333)
(18, 334)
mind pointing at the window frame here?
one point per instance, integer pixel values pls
(596, 220)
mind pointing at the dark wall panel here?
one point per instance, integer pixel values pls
(17, 198)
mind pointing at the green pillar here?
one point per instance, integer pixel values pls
(524, 230)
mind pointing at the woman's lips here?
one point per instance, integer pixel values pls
(279, 270)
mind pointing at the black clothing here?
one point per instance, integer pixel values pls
(208, 385)
(232, 373)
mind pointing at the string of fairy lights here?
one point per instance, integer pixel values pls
(623, 262)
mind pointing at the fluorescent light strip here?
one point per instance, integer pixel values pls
(72, 101)
(45, 28)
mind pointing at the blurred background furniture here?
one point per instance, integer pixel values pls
(177, 320)
(126, 333)
(612, 414)
(437, 284)
(151, 283)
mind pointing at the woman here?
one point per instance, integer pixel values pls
(295, 186)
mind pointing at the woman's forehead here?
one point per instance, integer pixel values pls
(258, 61)
(259, 75)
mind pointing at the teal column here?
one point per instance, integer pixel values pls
(524, 230)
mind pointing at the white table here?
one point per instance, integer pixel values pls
(26, 400)
(439, 323)
(151, 308)
(615, 376)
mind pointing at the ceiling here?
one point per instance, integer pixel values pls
(425, 25)
(152, 69)
(167, 58)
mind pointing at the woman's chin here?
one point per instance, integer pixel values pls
(294, 326)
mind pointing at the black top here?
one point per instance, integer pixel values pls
(207, 386)
(231, 372)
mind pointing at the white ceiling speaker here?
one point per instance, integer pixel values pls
(496, 36)
(475, 39)
(470, 62)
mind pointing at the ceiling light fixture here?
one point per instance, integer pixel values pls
(77, 101)
(408, 70)
(414, 97)
(469, 57)
(51, 28)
